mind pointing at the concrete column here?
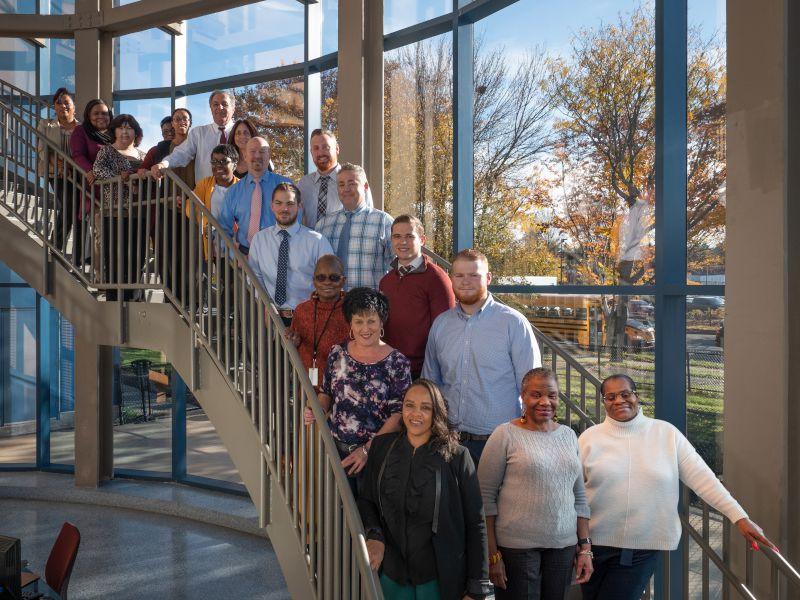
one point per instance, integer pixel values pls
(94, 450)
(350, 87)
(762, 322)
(93, 55)
(373, 99)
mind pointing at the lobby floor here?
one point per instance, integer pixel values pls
(131, 555)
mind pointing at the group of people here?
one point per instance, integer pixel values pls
(434, 393)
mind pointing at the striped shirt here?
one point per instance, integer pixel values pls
(478, 361)
(370, 251)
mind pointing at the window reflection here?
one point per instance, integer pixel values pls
(18, 63)
(399, 14)
(143, 60)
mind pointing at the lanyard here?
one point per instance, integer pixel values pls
(317, 340)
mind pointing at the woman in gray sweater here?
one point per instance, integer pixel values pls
(537, 516)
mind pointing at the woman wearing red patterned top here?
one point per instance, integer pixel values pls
(319, 323)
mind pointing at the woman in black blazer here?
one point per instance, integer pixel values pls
(421, 506)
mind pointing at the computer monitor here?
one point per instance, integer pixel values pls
(10, 568)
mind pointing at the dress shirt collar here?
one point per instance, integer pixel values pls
(483, 309)
(292, 229)
(416, 264)
(332, 174)
(358, 209)
(250, 179)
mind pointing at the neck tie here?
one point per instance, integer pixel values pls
(404, 270)
(322, 200)
(283, 268)
(343, 247)
(255, 212)
(222, 137)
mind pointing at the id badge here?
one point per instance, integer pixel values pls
(313, 375)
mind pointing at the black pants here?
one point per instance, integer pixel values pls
(65, 209)
(536, 573)
(619, 574)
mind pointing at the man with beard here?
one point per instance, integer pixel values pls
(283, 256)
(478, 353)
(318, 189)
(246, 203)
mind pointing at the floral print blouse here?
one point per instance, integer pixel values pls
(110, 163)
(364, 395)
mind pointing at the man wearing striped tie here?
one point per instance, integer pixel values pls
(283, 256)
(318, 189)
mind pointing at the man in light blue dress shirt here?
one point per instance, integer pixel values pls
(236, 208)
(477, 353)
(283, 256)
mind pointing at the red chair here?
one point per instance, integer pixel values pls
(62, 558)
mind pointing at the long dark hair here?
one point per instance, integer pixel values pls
(94, 133)
(444, 439)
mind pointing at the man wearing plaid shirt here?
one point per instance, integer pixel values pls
(360, 235)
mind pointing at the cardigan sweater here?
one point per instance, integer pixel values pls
(415, 300)
(632, 471)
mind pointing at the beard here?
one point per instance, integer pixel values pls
(469, 297)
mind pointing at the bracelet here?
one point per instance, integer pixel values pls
(364, 448)
(588, 553)
(495, 558)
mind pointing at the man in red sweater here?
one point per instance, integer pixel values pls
(418, 291)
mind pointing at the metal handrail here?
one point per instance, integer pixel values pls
(12, 92)
(142, 235)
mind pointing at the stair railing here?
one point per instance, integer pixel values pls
(141, 237)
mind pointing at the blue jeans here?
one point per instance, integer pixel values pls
(536, 573)
(619, 574)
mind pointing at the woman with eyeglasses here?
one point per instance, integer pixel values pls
(633, 466)
(181, 123)
(363, 383)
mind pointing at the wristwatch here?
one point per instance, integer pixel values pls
(585, 542)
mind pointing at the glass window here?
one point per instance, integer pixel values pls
(564, 141)
(143, 414)
(18, 376)
(18, 7)
(706, 159)
(418, 137)
(206, 455)
(18, 63)
(244, 39)
(62, 393)
(323, 28)
(330, 108)
(149, 114)
(58, 7)
(57, 64)
(9, 276)
(399, 14)
(143, 60)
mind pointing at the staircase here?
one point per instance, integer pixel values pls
(218, 328)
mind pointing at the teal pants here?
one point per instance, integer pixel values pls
(394, 591)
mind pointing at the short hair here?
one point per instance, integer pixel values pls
(166, 120)
(330, 259)
(362, 300)
(410, 220)
(250, 127)
(285, 186)
(622, 376)
(471, 255)
(538, 373)
(87, 123)
(228, 95)
(325, 132)
(186, 110)
(358, 169)
(130, 121)
(227, 150)
(62, 91)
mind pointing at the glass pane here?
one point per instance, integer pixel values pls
(18, 63)
(249, 38)
(418, 137)
(399, 14)
(62, 393)
(323, 28)
(564, 141)
(707, 165)
(143, 60)
(604, 334)
(206, 455)
(58, 7)
(330, 107)
(149, 114)
(17, 376)
(57, 66)
(143, 416)
(19, 7)
(9, 276)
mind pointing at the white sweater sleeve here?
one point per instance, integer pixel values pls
(492, 469)
(696, 474)
(183, 154)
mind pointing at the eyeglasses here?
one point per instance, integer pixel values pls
(220, 163)
(332, 277)
(624, 394)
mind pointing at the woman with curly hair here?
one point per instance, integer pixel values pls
(364, 381)
(421, 506)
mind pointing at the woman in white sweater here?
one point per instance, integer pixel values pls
(633, 466)
(537, 517)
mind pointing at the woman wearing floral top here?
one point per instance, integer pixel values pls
(364, 382)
